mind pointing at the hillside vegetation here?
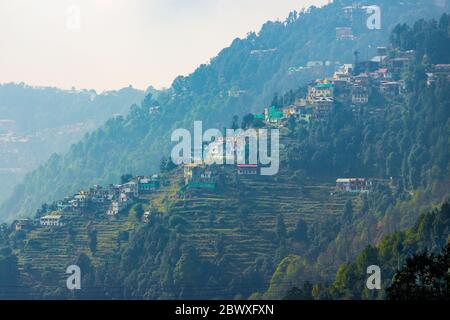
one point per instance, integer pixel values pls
(260, 236)
(242, 78)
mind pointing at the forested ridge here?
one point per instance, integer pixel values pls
(406, 260)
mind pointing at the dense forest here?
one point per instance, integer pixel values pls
(240, 79)
(416, 249)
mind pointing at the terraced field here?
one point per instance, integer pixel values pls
(208, 214)
(265, 198)
(56, 249)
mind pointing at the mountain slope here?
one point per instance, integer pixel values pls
(240, 79)
(430, 233)
(294, 227)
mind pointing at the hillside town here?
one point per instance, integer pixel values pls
(352, 85)
(110, 201)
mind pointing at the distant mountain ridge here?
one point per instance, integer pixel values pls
(38, 121)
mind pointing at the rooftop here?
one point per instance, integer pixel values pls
(324, 86)
(50, 216)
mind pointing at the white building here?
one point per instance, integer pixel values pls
(51, 220)
(355, 185)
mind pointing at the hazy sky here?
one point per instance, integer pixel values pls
(116, 43)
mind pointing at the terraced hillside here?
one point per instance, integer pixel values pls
(247, 233)
(242, 212)
(56, 248)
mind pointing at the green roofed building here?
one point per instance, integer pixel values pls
(273, 115)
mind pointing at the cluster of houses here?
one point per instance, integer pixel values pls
(353, 85)
(203, 176)
(111, 200)
(53, 219)
(230, 151)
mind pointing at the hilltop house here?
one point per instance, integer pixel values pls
(146, 185)
(233, 148)
(401, 62)
(321, 98)
(391, 88)
(146, 217)
(79, 200)
(226, 150)
(341, 75)
(322, 107)
(272, 115)
(320, 90)
(200, 176)
(22, 224)
(356, 185)
(65, 204)
(130, 189)
(290, 111)
(51, 220)
(115, 208)
(120, 196)
(111, 199)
